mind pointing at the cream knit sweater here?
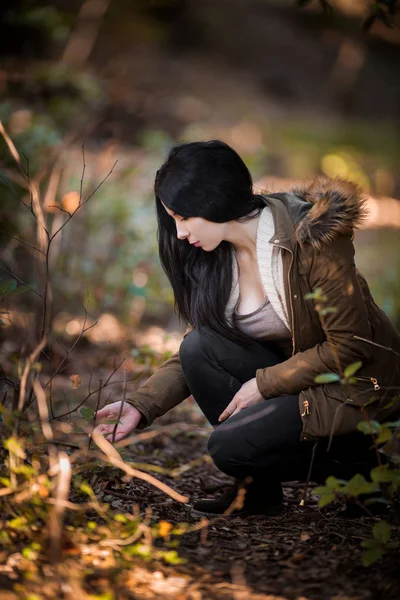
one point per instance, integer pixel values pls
(269, 258)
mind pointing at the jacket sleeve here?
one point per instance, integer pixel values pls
(333, 270)
(163, 390)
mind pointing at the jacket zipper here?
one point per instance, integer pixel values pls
(306, 406)
(373, 380)
(290, 293)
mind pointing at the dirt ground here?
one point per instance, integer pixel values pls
(305, 553)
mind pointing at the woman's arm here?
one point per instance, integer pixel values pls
(333, 270)
(165, 389)
(162, 391)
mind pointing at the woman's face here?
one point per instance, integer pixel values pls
(198, 231)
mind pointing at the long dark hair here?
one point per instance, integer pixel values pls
(208, 180)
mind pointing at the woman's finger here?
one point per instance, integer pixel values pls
(230, 409)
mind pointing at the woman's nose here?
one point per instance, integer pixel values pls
(181, 232)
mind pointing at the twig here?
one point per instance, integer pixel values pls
(124, 496)
(114, 458)
(83, 174)
(84, 202)
(88, 396)
(56, 515)
(22, 282)
(12, 237)
(43, 410)
(97, 408)
(84, 329)
(120, 408)
(25, 374)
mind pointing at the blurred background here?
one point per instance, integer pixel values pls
(296, 90)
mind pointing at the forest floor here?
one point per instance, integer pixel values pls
(306, 553)
(303, 553)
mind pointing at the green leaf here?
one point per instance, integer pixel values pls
(172, 558)
(352, 369)
(86, 489)
(385, 435)
(368, 427)
(372, 555)
(87, 413)
(327, 378)
(329, 309)
(359, 485)
(326, 499)
(392, 402)
(8, 286)
(326, 495)
(382, 532)
(382, 474)
(334, 484)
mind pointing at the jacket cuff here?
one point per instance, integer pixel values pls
(267, 383)
(145, 420)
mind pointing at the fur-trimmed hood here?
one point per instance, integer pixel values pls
(337, 208)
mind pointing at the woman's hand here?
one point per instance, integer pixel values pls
(129, 419)
(248, 395)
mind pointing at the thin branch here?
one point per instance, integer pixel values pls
(60, 208)
(120, 408)
(111, 455)
(94, 414)
(84, 201)
(31, 359)
(83, 174)
(12, 237)
(22, 282)
(68, 352)
(89, 395)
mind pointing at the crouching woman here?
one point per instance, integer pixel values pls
(268, 285)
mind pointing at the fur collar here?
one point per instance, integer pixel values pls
(337, 208)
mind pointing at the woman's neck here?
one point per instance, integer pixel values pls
(243, 237)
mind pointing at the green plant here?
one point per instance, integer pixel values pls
(384, 479)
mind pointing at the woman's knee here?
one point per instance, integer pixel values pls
(191, 348)
(228, 453)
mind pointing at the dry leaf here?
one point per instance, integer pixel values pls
(76, 381)
(165, 528)
(70, 201)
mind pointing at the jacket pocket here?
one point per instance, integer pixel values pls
(331, 410)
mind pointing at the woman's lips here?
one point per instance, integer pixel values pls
(197, 244)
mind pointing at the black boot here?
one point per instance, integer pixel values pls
(242, 499)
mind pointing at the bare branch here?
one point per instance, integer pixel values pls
(43, 410)
(84, 201)
(115, 459)
(22, 282)
(21, 241)
(83, 174)
(62, 209)
(120, 408)
(94, 414)
(25, 374)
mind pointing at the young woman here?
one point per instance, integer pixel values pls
(242, 267)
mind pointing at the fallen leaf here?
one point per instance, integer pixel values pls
(76, 381)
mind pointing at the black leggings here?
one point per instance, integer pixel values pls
(262, 441)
